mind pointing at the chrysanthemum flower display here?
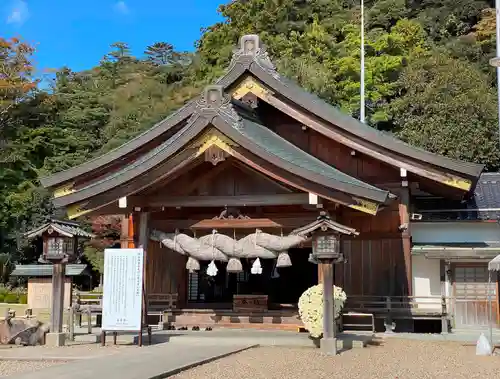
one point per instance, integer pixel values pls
(311, 308)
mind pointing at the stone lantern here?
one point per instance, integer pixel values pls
(61, 241)
(326, 251)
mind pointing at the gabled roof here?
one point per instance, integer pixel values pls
(235, 129)
(324, 224)
(65, 228)
(251, 58)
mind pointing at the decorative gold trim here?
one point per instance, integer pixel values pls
(250, 85)
(77, 210)
(365, 206)
(462, 184)
(64, 190)
(209, 140)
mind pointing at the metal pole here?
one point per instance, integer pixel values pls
(362, 81)
(497, 9)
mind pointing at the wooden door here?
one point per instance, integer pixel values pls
(471, 296)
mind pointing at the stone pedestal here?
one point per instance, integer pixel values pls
(55, 339)
(328, 346)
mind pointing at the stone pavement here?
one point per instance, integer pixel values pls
(153, 362)
(346, 340)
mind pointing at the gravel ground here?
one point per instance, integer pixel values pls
(11, 368)
(393, 358)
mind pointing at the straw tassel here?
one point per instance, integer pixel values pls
(192, 264)
(283, 260)
(234, 265)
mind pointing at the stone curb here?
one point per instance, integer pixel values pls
(189, 366)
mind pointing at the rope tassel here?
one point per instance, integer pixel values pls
(283, 260)
(234, 265)
(192, 264)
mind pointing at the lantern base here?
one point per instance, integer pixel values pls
(328, 346)
(55, 339)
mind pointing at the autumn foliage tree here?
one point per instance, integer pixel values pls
(16, 80)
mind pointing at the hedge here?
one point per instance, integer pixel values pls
(14, 298)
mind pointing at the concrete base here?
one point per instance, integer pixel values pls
(55, 339)
(328, 346)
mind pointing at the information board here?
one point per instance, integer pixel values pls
(122, 290)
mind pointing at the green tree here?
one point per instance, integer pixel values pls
(447, 107)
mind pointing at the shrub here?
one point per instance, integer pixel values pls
(311, 308)
(11, 298)
(23, 298)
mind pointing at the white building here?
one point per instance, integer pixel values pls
(451, 247)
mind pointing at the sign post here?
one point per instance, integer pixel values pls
(122, 302)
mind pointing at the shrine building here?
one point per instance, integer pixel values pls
(227, 180)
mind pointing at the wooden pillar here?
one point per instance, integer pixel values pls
(404, 222)
(127, 232)
(56, 318)
(328, 342)
(143, 243)
(320, 272)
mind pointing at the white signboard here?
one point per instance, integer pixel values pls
(122, 292)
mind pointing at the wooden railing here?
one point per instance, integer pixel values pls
(392, 308)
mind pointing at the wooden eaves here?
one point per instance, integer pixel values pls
(220, 124)
(252, 71)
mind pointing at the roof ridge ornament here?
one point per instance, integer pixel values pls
(251, 49)
(214, 101)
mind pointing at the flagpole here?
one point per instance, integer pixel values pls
(362, 81)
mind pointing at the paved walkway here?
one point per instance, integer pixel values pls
(153, 362)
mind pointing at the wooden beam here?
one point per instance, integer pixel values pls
(221, 201)
(285, 223)
(250, 223)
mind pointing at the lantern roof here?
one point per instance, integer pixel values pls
(35, 270)
(65, 228)
(324, 224)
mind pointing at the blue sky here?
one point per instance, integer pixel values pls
(78, 33)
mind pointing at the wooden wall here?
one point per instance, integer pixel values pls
(334, 153)
(375, 259)
(373, 268)
(165, 271)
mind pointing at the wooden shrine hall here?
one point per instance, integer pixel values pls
(217, 189)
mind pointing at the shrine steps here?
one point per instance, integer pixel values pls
(269, 320)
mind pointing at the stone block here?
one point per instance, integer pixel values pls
(55, 339)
